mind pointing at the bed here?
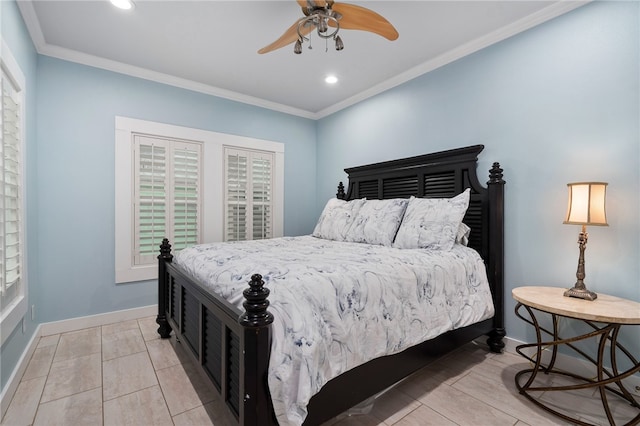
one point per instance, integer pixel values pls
(231, 341)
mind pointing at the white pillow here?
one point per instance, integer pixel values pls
(336, 219)
(377, 222)
(432, 223)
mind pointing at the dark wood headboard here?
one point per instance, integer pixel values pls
(443, 175)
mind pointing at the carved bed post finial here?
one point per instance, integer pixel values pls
(495, 174)
(256, 304)
(165, 250)
(164, 329)
(340, 194)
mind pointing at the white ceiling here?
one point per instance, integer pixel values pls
(211, 46)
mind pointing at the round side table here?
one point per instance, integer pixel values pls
(604, 318)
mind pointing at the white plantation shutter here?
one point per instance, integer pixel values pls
(186, 195)
(11, 244)
(151, 195)
(261, 180)
(249, 194)
(167, 195)
(236, 196)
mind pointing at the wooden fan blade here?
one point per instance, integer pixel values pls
(304, 6)
(319, 3)
(360, 18)
(289, 36)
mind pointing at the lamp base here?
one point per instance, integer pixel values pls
(581, 293)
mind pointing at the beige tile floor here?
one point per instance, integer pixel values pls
(123, 374)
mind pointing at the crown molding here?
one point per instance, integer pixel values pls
(33, 26)
(158, 77)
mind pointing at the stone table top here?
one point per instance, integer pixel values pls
(607, 309)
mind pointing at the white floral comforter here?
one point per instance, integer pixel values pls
(338, 304)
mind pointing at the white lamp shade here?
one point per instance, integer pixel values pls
(587, 204)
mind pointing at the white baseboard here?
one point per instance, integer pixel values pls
(576, 365)
(74, 324)
(64, 326)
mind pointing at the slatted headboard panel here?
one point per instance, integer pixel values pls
(438, 175)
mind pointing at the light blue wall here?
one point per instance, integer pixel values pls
(556, 104)
(76, 109)
(17, 38)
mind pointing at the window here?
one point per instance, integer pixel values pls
(171, 182)
(248, 200)
(13, 286)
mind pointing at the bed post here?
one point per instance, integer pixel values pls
(496, 255)
(256, 321)
(165, 257)
(340, 195)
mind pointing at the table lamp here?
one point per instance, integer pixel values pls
(586, 207)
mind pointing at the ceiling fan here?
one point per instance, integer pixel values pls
(327, 18)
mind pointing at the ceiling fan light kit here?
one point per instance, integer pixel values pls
(321, 15)
(320, 18)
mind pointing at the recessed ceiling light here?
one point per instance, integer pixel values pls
(122, 4)
(331, 79)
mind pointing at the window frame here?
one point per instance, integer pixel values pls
(213, 144)
(14, 313)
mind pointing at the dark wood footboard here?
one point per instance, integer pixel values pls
(232, 346)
